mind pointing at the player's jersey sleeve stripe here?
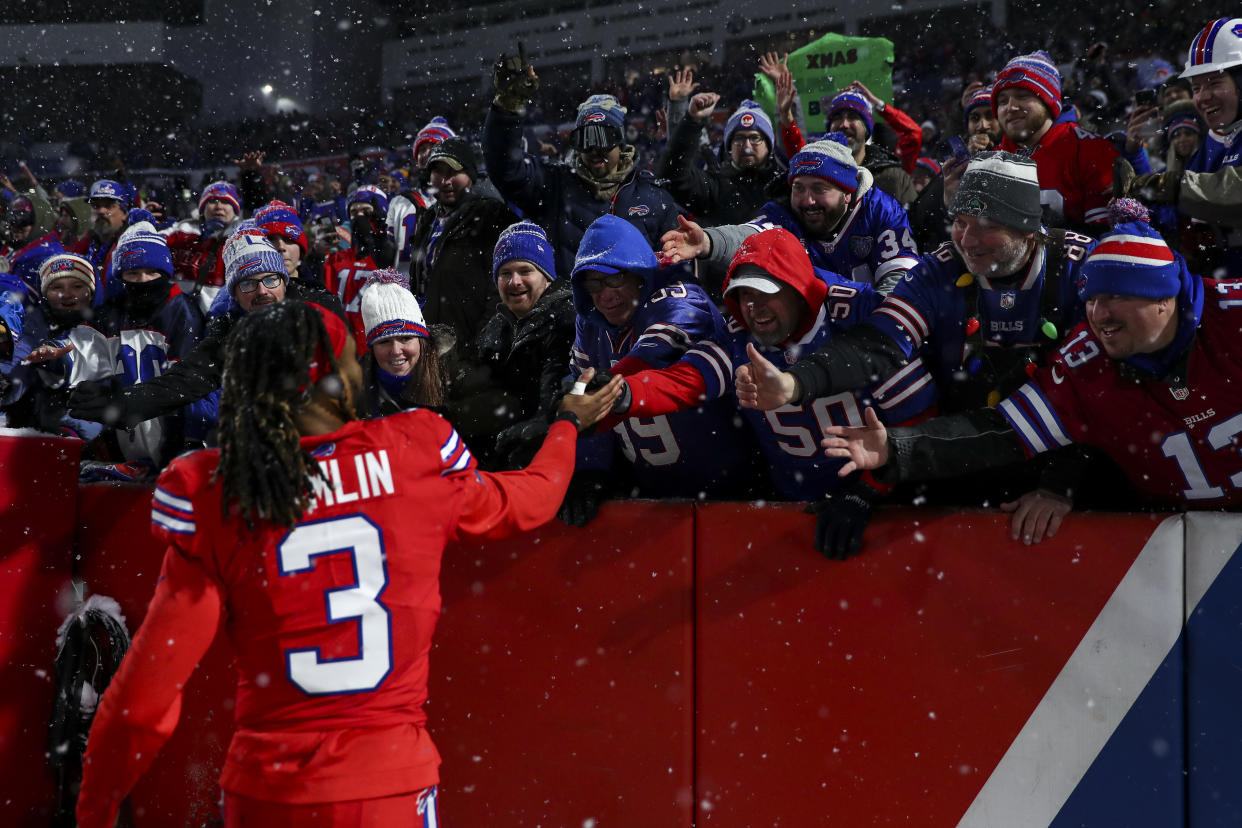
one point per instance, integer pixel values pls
(454, 456)
(173, 513)
(174, 503)
(1097, 214)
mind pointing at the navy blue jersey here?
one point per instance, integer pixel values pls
(789, 436)
(926, 313)
(874, 244)
(705, 450)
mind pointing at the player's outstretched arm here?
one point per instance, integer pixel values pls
(140, 708)
(761, 385)
(862, 447)
(499, 504)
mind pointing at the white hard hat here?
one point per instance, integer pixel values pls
(1216, 48)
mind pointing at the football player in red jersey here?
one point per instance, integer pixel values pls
(1153, 378)
(318, 538)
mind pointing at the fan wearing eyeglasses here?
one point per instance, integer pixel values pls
(633, 315)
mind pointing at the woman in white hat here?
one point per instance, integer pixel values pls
(402, 368)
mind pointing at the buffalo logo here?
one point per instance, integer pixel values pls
(861, 246)
(326, 450)
(1236, 31)
(747, 120)
(130, 255)
(639, 210)
(807, 166)
(247, 267)
(1008, 298)
(595, 118)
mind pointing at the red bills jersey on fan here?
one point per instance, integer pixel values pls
(1075, 168)
(332, 621)
(1177, 444)
(344, 273)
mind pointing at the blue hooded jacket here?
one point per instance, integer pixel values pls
(687, 454)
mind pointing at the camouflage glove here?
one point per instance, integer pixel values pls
(1123, 174)
(1156, 188)
(515, 82)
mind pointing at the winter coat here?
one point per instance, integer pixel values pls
(455, 278)
(725, 195)
(889, 176)
(554, 196)
(501, 398)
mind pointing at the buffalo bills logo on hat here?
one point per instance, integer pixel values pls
(747, 120)
(133, 253)
(63, 264)
(595, 118)
(251, 265)
(639, 210)
(1236, 31)
(861, 246)
(807, 164)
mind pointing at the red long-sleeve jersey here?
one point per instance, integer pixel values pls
(331, 620)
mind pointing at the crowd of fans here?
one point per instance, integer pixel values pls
(763, 289)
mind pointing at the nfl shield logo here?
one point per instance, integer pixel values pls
(1180, 393)
(861, 246)
(1007, 299)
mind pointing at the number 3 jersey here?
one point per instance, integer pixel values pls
(1177, 441)
(331, 621)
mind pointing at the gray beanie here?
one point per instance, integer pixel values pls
(1000, 186)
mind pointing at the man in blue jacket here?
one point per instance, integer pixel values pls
(633, 316)
(565, 198)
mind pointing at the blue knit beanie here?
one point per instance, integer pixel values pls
(830, 158)
(527, 241)
(141, 247)
(855, 102)
(747, 116)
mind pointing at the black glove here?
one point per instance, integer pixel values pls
(839, 523)
(514, 81)
(587, 490)
(517, 444)
(100, 401)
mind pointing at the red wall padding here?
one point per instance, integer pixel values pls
(672, 663)
(38, 498)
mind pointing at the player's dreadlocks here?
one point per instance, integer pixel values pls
(267, 367)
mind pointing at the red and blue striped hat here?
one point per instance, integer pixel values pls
(1216, 48)
(222, 190)
(1131, 260)
(1037, 74)
(278, 219)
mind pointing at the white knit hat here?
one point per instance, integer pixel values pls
(389, 309)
